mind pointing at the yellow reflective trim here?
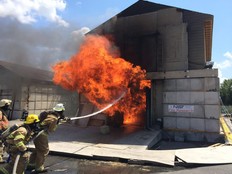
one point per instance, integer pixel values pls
(3, 170)
(19, 144)
(10, 136)
(17, 137)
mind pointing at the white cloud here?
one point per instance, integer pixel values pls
(228, 55)
(224, 64)
(221, 77)
(26, 11)
(221, 66)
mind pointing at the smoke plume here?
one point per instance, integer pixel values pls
(35, 46)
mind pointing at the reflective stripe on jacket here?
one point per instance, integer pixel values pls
(19, 138)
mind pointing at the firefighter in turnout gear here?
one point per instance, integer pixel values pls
(48, 122)
(4, 123)
(16, 145)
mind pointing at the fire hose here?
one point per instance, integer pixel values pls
(19, 154)
(95, 113)
(73, 118)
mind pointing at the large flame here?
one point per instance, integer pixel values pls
(97, 72)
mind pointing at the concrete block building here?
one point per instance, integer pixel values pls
(32, 89)
(174, 46)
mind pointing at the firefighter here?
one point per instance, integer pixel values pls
(16, 143)
(4, 123)
(49, 122)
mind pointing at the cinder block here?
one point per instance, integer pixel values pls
(179, 136)
(168, 135)
(212, 98)
(172, 65)
(23, 105)
(212, 84)
(169, 16)
(212, 125)
(50, 105)
(138, 23)
(183, 97)
(51, 97)
(32, 97)
(38, 97)
(183, 84)
(199, 111)
(214, 137)
(38, 105)
(197, 124)
(197, 84)
(44, 97)
(195, 136)
(183, 123)
(212, 111)
(170, 85)
(44, 105)
(197, 98)
(31, 105)
(17, 105)
(169, 97)
(169, 122)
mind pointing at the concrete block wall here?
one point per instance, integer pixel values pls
(201, 121)
(40, 97)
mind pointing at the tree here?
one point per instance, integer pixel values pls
(226, 92)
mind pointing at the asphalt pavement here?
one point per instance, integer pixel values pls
(78, 165)
(69, 165)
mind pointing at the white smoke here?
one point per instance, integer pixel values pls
(27, 11)
(38, 47)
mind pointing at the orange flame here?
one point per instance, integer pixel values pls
(102, 77)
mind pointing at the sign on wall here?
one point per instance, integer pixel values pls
(180, 108)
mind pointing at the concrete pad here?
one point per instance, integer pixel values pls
(163, 157)
(206, 155)
(65, 147)
(112, 146)
(126, 142)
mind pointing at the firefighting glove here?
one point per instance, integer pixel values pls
(66, 119)
(21, 153)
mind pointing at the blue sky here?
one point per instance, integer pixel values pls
(79, 16)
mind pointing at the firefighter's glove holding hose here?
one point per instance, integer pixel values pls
(66, 119)
(23, 152)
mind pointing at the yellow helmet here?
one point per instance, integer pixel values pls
(31, 118)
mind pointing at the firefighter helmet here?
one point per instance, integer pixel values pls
(59, 107)
(4, 102)
(31, 118)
